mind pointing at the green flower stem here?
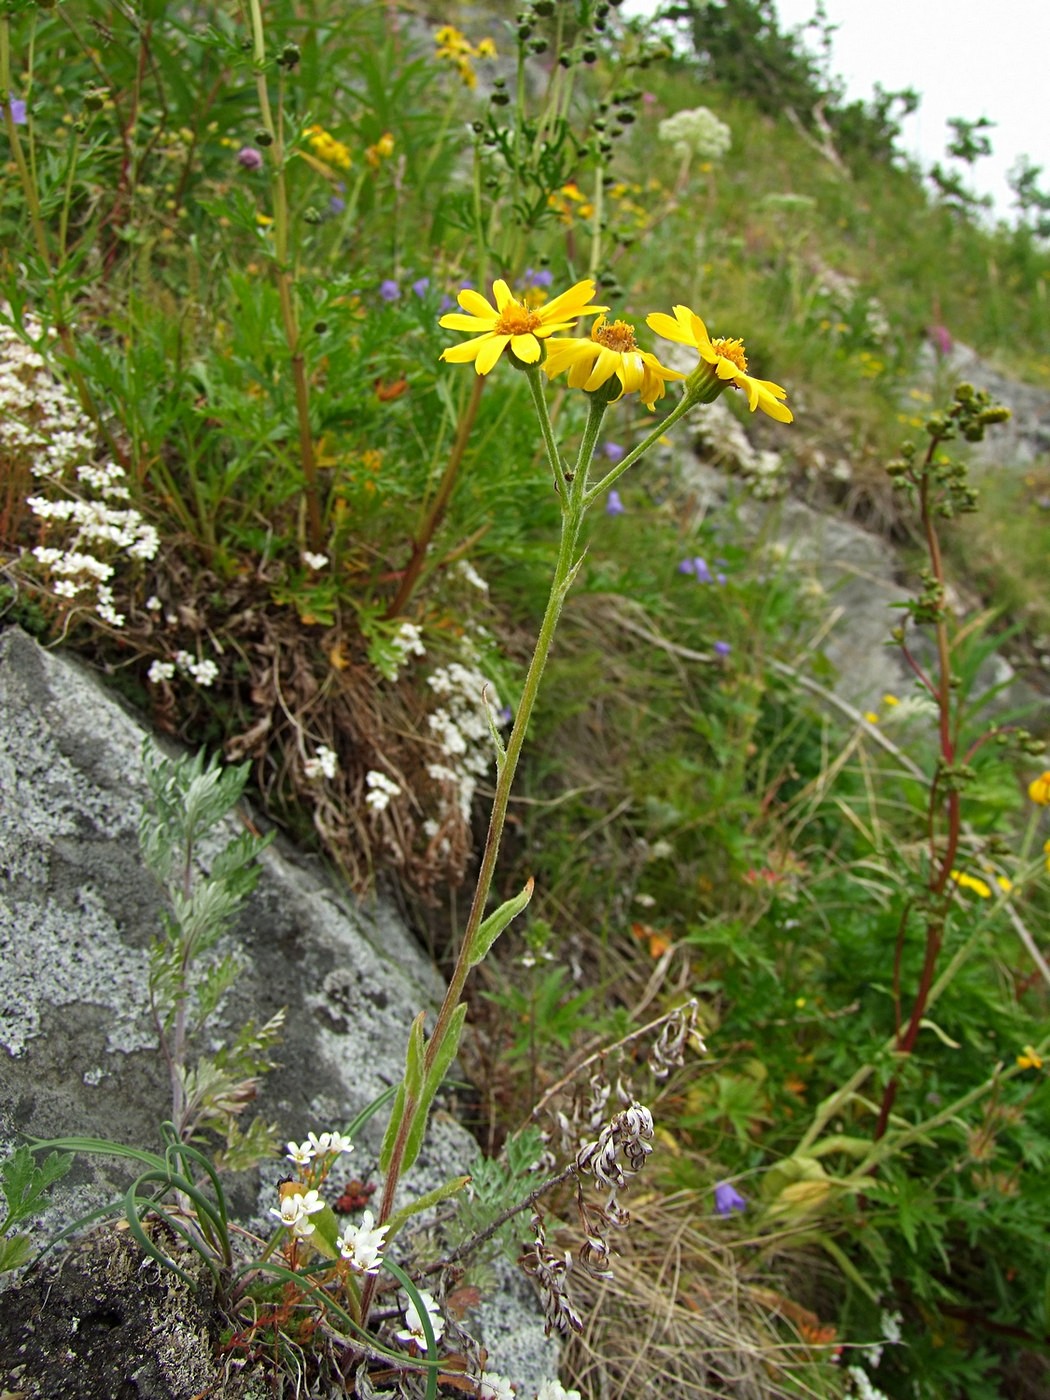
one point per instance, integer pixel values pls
(573, 508)
(285, 283)
(24, 176)
(685, 403)
(553, 455)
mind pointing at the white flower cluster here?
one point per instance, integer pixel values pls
(407, 641)
(461, 729)
(891, 1336)
(382, 789)
(721, 433)
(295, 1210)
(696, 132)
(42, 427)
(863, 1388)
(323, 1145)
(362, 1245)
(324, 764)
(203, 670)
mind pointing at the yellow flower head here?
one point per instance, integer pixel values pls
(1029, 1059)
(610, 350)
(327, 148)
(1039, 790)
(971, 882)
(381, 150)
(512, 323)
(727, 361)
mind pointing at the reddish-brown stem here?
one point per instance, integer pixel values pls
(438, 506)
(949, 808)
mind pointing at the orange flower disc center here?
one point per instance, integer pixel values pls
(732, 350)
(618, 336)
(516, 319)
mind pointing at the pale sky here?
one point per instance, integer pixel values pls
(966, 59)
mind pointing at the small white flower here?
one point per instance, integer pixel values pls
(493, 1386)
(362, 1245)
(160, 671)
(315, 561)
(203, 672)
(295, 1210)
(325, 763)
(413, 1329)
(409, 640)
(153, 604)
(339, 1142)
(300, 1153)
(554, 1390)
(470, 575)
(382, 790)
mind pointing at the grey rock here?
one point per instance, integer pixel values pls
(77, 914)
(857, 579)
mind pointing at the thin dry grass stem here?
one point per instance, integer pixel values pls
(681, 1318)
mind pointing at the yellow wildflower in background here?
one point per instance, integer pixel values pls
(726, 358)
(512, 323)
(971, 882)
(569, 202)
(1029, 1059)
(381, 150)
(458, 50)
(1039, 790)
(327, 148)
(610, 350)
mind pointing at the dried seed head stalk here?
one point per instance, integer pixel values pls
(551, 1271)
(681, 1030)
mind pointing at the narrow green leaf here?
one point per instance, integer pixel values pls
(390, 1136)
(430, 1198)
(496, 922)
(424, 1318)
(432, 1083)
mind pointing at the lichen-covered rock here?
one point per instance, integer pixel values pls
(78, 911)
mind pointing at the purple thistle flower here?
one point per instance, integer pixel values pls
(941, 339)
(687, 566)
(389, 290)
(421, 287)
(614, 452)
(722, 648)
(538, 277)
(614, 505)
(18, 111)
(248, 158)
(701, 570)
(728, 1199)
